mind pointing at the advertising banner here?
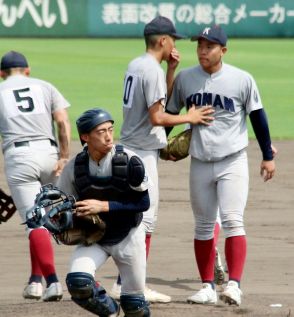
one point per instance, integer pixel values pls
(126, 18)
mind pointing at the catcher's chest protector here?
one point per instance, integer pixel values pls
(115, 187)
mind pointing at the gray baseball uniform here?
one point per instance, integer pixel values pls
(218, 151)
(128, 254)
(144, 85)
(27, 130)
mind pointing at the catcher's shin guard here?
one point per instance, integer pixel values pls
(134, 306)
(88, 295)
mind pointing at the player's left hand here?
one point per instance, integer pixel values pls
(267, 170)
(59, 166)
(174, 59)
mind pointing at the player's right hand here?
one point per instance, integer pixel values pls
(201, 115)
(174, 59)
(91, 207)
(59, 166)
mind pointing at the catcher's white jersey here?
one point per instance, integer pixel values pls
(233, 94)
(144, 85)
(26, 107)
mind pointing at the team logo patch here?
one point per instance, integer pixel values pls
(206, 31)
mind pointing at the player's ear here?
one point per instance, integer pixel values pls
(27, 71)
(162, 40)
(3, 74)
(224, 50)
(84, 138)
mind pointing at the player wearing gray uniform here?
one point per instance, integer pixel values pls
(96, 177)
(219, 168)
(28, 107)
(144, 98)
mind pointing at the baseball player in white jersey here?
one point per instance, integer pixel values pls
(145, 92)
(110, 181)
(28, 108)
(219, 168)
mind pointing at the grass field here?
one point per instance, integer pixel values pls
(89, 72)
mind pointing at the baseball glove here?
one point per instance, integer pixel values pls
(85, 230)
(177, 146)
(54, 209)
(7, 206)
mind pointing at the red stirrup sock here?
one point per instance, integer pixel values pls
(36, 272)
(40, 244)
(235, 250)
(205, 256)
(147, 243)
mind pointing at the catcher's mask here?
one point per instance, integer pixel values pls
(52, 209)
(90, 119)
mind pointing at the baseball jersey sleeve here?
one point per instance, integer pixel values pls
(57, 100)
(252, 100)
(154, 87)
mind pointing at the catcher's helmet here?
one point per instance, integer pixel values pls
(90, 119)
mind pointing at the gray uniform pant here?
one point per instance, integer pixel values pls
(219, 185)
(129, 256)
(27, 168)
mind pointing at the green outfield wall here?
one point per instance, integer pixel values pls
(119, 18)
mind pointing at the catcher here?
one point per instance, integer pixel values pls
(108, 181)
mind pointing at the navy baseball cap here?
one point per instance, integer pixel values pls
(13, 59)
(213, 34)
(162, 25)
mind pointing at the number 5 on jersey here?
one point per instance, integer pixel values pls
(24, 100)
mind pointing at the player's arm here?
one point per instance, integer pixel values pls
(195, 115)
(139, 203)
(260, 126)
(60, 116)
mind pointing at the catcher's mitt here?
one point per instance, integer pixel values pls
(7, 206)
(177, 146)
(86, 230)
(54, 209)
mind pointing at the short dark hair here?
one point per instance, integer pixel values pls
(150, 40)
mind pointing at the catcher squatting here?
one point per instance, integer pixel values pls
(109, 180)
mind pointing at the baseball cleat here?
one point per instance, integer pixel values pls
(219, 272)
(156, 297)
(231, 294)
(150, 295)
(53, 293)
(206, 296)
(33, 290)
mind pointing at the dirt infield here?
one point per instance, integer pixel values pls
(269, 273)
